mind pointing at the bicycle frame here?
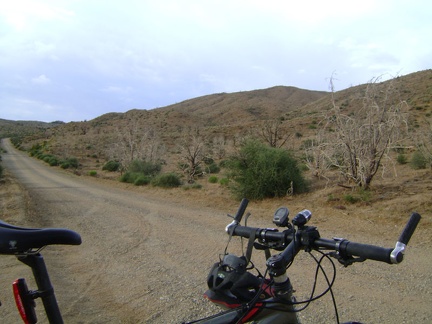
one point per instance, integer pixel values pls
(256, 313)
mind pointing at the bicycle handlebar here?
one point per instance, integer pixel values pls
(365, 251)
(409, 228)
(241, 210)
(344, 248)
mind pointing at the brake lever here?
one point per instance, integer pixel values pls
(346, 260)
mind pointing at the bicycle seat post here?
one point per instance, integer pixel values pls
(45, 289)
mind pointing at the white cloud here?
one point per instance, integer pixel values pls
(41, 79)
(21, 14)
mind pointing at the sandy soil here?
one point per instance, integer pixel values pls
(146, 252)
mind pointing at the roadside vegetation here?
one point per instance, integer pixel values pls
(346, 139)
(259, 171)
(41, 152)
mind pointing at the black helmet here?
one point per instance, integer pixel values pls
(230, 276)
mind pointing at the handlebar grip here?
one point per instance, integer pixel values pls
(244, 231)
(241, 210)
(367, 251)
(409, 229)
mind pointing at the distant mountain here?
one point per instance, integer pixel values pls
(10, 128)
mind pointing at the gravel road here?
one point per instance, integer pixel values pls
(146, 254)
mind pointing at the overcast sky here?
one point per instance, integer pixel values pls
(74, 60)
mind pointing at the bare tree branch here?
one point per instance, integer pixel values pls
(192, 154)
(273, 134)
(364, 135)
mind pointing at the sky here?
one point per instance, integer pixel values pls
(74, 60)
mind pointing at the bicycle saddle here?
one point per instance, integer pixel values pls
(20, 240)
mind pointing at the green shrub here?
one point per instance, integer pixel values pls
(351, 199)
(69, 163)
(167, 180)
(129, 177)
(145, 167)
(39, 155)
(224, 182)
(46, 157)
(111, 166)
(53, 161)
(262, 172)
(212, 168)
(73, 162)
(64, 165)
(1, 171)
(92, 173)
(142, 180)
(402, 159)
(213, 179)
(418, 161)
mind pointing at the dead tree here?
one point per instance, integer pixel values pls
(134, 141)
(361, 137)
(192, 155)
(273, 134)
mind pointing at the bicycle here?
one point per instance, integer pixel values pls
(260, 298)
(269, 298)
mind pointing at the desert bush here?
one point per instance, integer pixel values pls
(167, 180)
(211, 166)
(111, 166)
(35, 149)
(402, 159)
(53, 161)
(1, 171)
(224, 182)
(45, 157)
(64, 165)
(213, 179)
(144, 167)
(351, 199)
(16, 141)
(418, 161)
(48, 158)
(92, 173)
(70, 162)
(130, 177)
(142, 180)
(260, 171)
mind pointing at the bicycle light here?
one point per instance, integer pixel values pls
(24, 301)
(302, 218)
(280, 217)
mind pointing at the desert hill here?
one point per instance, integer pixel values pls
(225, 115)
(10, 128)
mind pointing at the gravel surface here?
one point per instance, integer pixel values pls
(146, 253)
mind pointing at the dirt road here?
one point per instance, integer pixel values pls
(145, 256)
